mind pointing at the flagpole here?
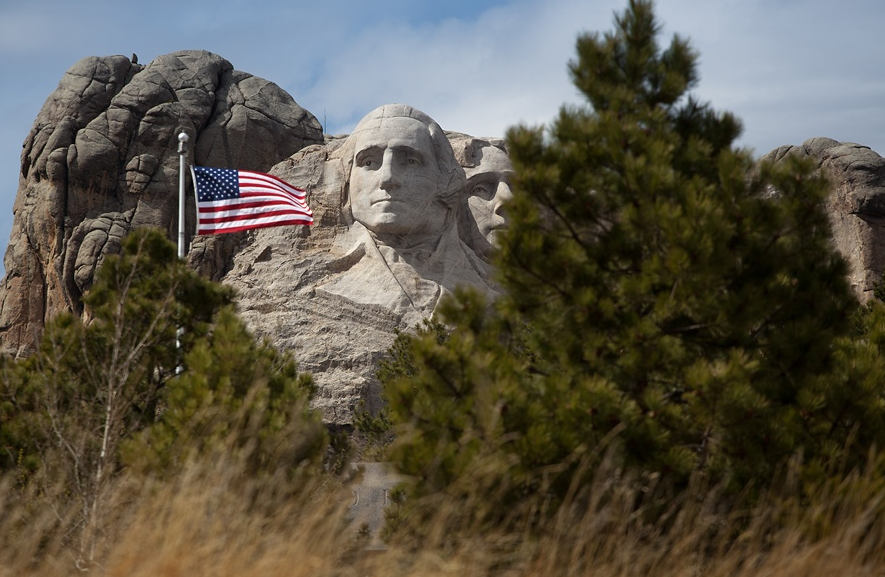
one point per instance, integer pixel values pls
(182, 165)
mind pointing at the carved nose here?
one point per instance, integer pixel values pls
(387, 178)
(502, 195)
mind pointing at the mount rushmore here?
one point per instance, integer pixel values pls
(404, 211)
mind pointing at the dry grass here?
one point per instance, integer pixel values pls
(210, 522)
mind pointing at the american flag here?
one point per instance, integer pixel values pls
(230, 200)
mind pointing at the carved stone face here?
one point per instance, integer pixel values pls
(488, 186)
(395, 178)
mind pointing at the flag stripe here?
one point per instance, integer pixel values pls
(231, 216)
(230, 200)
(254, 197)
(247, 225)
(244, 206)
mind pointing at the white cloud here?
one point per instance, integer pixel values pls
(791, 70)
(480, 76)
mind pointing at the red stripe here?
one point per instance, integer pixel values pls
(265, 214)
(234, 201)
(262, 176)
(209, 209)
(256, 191)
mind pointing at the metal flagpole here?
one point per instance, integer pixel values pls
(182, 164)
(182, 155)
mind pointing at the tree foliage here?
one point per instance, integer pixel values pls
(236, 395)
(670, 305)
(112, 368)
(161, 371)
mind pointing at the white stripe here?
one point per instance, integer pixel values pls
(252, 222)
(253, 210)
(233, 202)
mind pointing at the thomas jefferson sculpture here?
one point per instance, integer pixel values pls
(489, 172)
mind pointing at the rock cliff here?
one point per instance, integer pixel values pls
(102, 158)
(856, 204)
(386, 245)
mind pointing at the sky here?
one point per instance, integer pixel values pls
(789, 69)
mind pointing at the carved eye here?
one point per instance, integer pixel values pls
(481, 189)
(413, 160)
(367, 161)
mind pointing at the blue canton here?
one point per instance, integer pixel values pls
(216, 183)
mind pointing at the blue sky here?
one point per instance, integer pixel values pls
(790, 69)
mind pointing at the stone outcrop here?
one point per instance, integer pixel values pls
(336, 292)
(102, 158)
(856, 204)
(386, 246)
(404, 212)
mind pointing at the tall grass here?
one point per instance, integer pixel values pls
(211, 521)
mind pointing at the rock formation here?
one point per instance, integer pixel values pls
(387, 244)
(102, 158)
(489, 171)
(385, 248)
(856, 204)
(403, 212)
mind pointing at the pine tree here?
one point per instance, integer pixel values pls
(237, 396)
(669, 303)
(163, 371)
(112, 368)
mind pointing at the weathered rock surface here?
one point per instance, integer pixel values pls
(403, 212)
(102, 158)
(385, 247)
(856, 204)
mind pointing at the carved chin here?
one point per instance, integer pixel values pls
(395, 217)
(386, 222)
